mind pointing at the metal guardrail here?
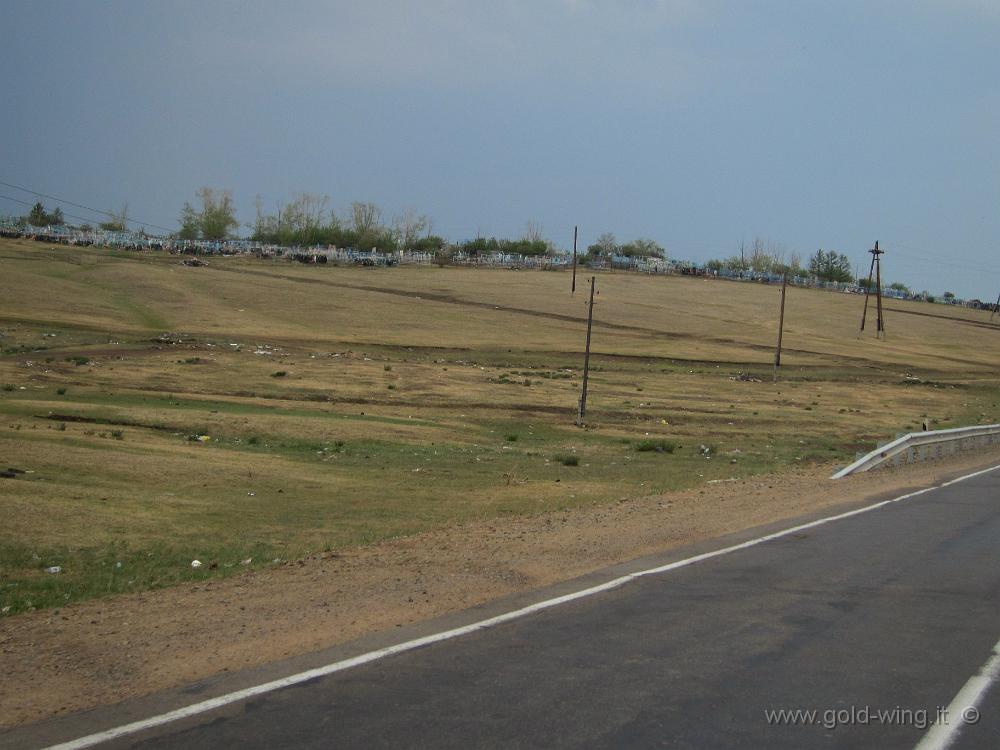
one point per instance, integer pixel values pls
(919, 446)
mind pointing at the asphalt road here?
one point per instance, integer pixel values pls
(892, 609)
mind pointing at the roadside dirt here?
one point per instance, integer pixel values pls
(96, 653)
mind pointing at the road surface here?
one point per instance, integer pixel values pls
(872, 622)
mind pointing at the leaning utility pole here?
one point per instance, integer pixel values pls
(880, 327)
(876, 268)
(996, 308)
(781, 326)
(586, 356)
(868, 287)
(573, 288)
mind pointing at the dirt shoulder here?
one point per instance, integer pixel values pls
(97, 653)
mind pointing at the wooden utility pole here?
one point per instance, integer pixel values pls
(996, 308)
(573, 288)
(586, 356)
(880, 325)
(781, 326)
(868, 288)
(876, 269)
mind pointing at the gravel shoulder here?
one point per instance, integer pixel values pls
(98, 653)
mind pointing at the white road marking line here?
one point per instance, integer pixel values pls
(963, 711)
(224, 700)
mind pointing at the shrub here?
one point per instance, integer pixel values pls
(61, 391)
(512, 438)
(8, 386)
(78, 361)
(279, 374)
(569, 460)
(660, 446)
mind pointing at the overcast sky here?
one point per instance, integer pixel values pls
(699, 123)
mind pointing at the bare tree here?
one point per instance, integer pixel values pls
(117, 220)
(311, 209)
(408, 226)
(260, 219)
(760, 260)
(365, 217)
(533, 231)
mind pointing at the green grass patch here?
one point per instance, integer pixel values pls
(660, 446)
(116, 568)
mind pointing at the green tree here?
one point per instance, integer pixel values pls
(218, 214)
(429, 244)
(190, 223)
(39, 217)
(606, 246)
(733, 264)
(642, 248)
(830, 266)
(215, 220)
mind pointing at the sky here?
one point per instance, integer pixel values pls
(698, 123)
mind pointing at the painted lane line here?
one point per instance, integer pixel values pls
(224, 700)
(963, 711)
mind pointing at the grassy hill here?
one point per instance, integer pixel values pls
(262, 409)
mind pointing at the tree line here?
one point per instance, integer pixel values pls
(308, 220)
(38, 216)
(763, 257)
(607, 246)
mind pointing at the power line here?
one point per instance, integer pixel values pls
(80, 205)
(917, 254)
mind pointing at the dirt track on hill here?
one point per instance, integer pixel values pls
(100, 652)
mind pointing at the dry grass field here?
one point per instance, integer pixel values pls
(261, 410)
